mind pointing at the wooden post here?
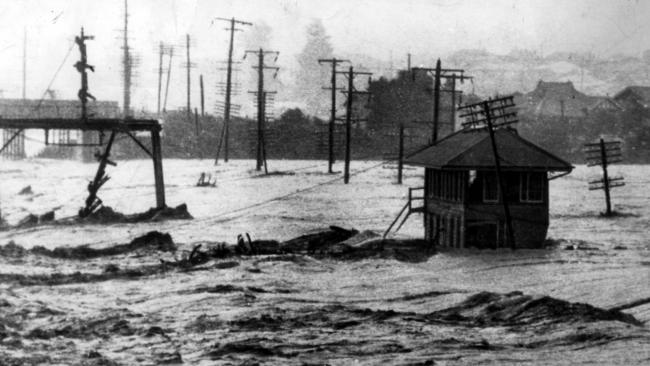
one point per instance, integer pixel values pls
(169, 74)
(262, 137)
(330, 137)
(400, 157)
(260, 108)
(158, 169)
(436, 101)
(196, 131)
(510, 234)
(348, 123)
(226, 109)
(603, 157)
(452, 116)
(160, 72)
(202, 96)
(187, 54)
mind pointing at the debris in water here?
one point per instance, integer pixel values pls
(26, 190)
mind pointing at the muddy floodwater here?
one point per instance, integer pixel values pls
(87, 294)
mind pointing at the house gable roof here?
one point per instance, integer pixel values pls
(473, 150)
(642, 93)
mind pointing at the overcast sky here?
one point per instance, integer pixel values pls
(379, 28)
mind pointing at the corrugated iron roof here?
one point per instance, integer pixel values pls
(473, 150)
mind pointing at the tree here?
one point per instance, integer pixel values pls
(311, 76)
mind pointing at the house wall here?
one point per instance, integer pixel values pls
(455, 218)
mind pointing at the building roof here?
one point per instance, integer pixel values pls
(556, 99)
(642, 94)
(472, 149)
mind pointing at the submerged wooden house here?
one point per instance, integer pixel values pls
(462, 206)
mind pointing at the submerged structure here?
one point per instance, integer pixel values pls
(462, 203)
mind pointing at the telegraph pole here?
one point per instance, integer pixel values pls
(187, 49)
(160, 73)
(226, 111)
(351, 92)
(502, 187)
(81, 66)
(348, 116)
(491, 114)
(604, 153)
(169, 74)
(439, 73)
(261, 101)
(196, 132)
(202, 96)
(400, 154)
(24, 63)
(126, 63)
(436, 100)
(334, 62)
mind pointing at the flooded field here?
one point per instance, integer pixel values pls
(583, 300)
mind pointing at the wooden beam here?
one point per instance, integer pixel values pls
(92, 124)
(158, 169)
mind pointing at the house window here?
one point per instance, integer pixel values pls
(532, 187)
(490, 187)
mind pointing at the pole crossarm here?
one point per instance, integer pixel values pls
(232, 20)
(497, 111)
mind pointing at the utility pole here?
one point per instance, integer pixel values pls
(126, 63)
(226, 111)
(400, 154)
(261, 100)
(196, 133)
(187, 49)
(604, 153)
(351, 92)
(439, 73)
(169, 74)
(160, 73)
(491, 114)
(24, 63)
(202, 96)
(334, 62)
(81, 66)
(408, 62)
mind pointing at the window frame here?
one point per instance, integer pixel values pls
(524, 187)
(496, 183)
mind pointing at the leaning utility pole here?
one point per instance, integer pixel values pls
(439, 73)
(351, 92)
(169, 74)
(334, 62)
(604, 153)
(492, 114)
(226, 111)
(261, 100)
